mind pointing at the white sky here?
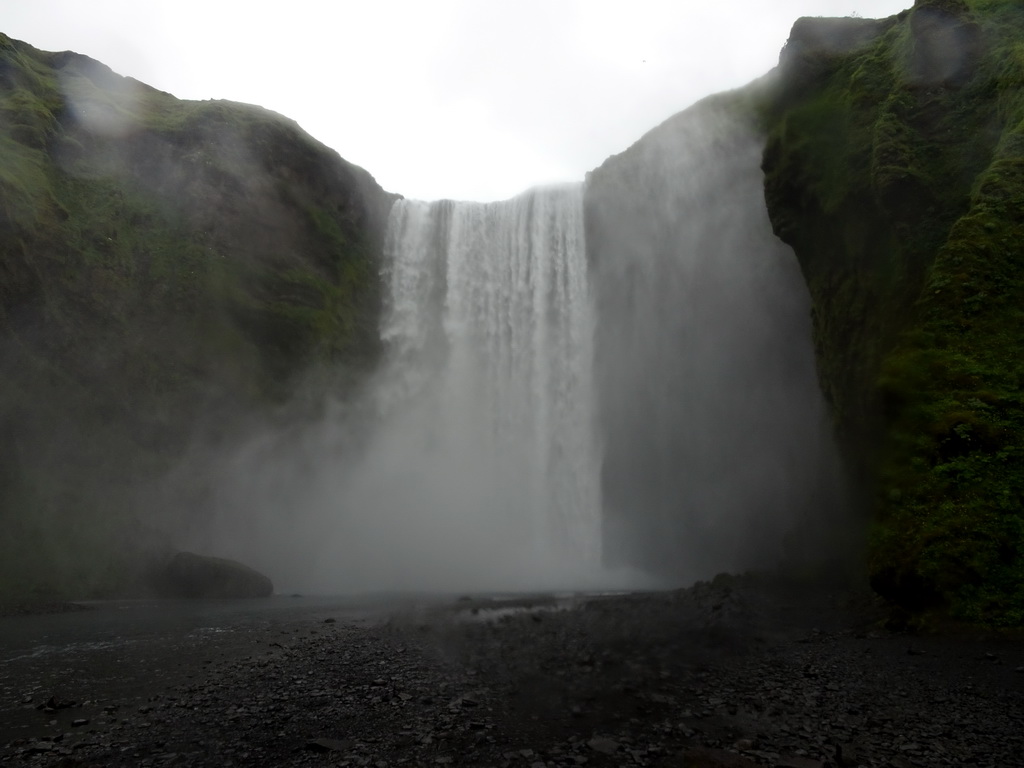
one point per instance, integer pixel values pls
(468, 99)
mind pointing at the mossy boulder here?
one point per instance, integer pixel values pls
(895, 169)
(191, 576)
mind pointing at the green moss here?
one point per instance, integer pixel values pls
(907, 231)
(28, 103)
(169, 271)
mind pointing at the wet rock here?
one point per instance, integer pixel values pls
(636, 680)
(796, 761)
(715, 758)
(328, 745)
(603, 745)
(53, 703)
(188, 575)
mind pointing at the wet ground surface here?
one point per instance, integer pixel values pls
(736, 674)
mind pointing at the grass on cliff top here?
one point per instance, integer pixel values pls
(28, 103)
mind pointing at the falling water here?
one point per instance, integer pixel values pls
(547, 408)
(485, 396)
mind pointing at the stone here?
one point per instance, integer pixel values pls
(53, 703)
(188, 575)
(328, 745)
(704, 757)
(796, 761)
(604, 745)
(847, 755)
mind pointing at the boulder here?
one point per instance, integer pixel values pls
(190, 575)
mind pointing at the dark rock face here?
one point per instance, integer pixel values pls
(170, 272)
(190, 575)
(893, 170)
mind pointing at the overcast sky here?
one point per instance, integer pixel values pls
(468, 99)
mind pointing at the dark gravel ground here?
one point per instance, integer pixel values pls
(738, 673)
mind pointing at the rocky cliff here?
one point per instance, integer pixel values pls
(169, 270)
(895, 169)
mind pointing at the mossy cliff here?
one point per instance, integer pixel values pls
(895, 169)
(168, 270)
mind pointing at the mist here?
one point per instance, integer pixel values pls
(583, 387)
(468, 462)
(718, 451)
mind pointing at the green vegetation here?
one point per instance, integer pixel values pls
(896, 171)
(169, 270)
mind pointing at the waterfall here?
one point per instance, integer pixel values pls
(547, 408)
(485, 450)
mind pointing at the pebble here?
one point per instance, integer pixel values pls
(645, 679)
(604, 745)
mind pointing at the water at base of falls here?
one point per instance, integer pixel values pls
(483, 470)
